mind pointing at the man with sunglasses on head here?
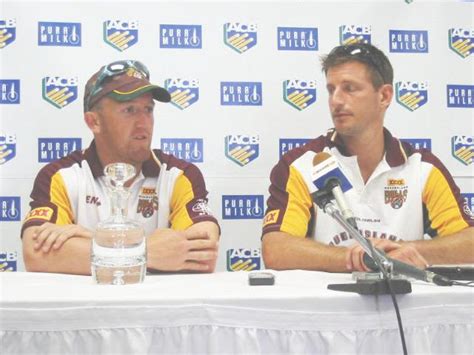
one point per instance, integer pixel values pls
(167, 196)
(400, 195)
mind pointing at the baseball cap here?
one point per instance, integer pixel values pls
(122, 80)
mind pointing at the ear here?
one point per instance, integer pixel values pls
(386, 95)
(92, 120)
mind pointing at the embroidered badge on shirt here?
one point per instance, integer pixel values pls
(396, 193)
(147, 202)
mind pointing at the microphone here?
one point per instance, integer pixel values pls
(327, 174)
(405, 269)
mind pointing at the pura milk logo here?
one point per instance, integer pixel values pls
(300, 94)
(181, 36)
(50, 149)
(468, 206)
(184, 92)
(418, 143)
(10, 208)
(59, 91)
(7, 147)
(406, 41)
(462, 148)
(243, 259)
(242, 206)
(240, 36)
(9, 91)
(351, 34)
(8, 261)
(120, 34)
(238, 93)
(287, 144)
(461, 41)
(189, 149)
(241, 148)
(412, 94)
(461, 96)
(61, 34)
(7, 32)
(297, 39)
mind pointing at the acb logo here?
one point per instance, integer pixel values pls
(7, 32)
(243, 259)
(120, 34)
(461, 41)
(184, 92)
(59, 91)
(240, 36)
(352, 34)
(299, 93)
(462, 148)
(8, 261)
(7, 147)
(411, 94)
(242, 149)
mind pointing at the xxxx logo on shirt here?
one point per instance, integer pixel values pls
(40, 214)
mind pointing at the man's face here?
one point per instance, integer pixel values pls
(126, 129)
(356, 106)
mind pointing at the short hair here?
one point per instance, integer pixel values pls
(380, 69)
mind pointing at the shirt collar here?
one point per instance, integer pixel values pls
(150, 167)
(395, 154)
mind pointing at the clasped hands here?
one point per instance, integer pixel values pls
(404, 251)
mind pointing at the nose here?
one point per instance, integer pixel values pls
(144, 118)
(336, 100)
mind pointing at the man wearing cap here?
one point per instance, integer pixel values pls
(404, 200)
(167, 196)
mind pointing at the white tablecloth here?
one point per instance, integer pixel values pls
(220, 313)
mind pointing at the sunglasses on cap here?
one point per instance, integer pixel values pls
(362, 53)
(112, 69)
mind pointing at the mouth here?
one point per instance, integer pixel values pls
(341, 115)
(140, 137)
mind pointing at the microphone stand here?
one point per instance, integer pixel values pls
(367, 287)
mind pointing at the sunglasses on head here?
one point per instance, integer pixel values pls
(362, 53)
(112, 69)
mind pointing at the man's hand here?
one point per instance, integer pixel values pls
(405, 252)
(50, 235)
(170, 250)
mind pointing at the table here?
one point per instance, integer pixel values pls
(220, 313)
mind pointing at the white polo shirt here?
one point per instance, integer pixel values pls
(168, 192)
(409, 194)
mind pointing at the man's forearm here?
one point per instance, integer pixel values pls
(72, 258)
(457, 248)
(282, 251)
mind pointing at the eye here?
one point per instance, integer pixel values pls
(349, 87)
(149, 109)
(129, 110)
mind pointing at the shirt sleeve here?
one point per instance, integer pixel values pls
(189, 203)
(442, 203)
(289, 207)
(49, 200)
